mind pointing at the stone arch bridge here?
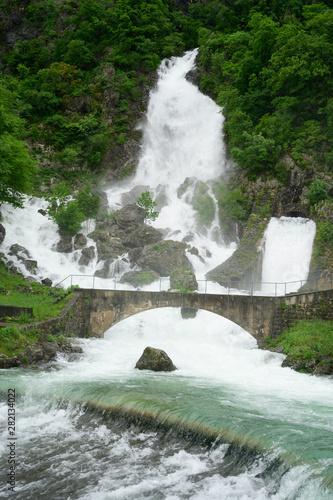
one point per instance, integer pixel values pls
(99, 310)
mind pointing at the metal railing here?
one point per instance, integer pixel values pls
(250, 288)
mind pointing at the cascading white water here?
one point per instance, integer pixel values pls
(182, 146)
(223, 382)
(287, 245)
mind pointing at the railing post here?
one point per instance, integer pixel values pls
(205, 290)
(285, 292)
(251, 291)
(115, 284)
(93, 284)
(160, 284)
(317, 289)
(228, 290)
(71, 280)
(275, 293)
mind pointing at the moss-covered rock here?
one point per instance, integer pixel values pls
(183, 280)
(156, 360)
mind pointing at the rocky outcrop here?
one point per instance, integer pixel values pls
(40, 352)
(244, 266)
(87, 255)
(123, 231)
(155, 360)
(164, 257)
(65, 244)
(23, 255)
(310, 362)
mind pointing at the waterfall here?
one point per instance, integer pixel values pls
(230, 422)
(287, 245)
(182, 152)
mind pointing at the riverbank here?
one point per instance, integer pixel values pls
(308, 345)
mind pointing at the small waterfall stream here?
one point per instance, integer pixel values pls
(287, 247)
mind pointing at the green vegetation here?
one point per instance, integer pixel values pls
(14, 341)
(18, 293)
(204, 204)
(72, 90)
(233, 204)
(270, 67)
(318, 192)
(148, 205)
(306, 340)
(145, 278)
(69, 214)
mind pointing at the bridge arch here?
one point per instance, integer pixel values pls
(253, 314)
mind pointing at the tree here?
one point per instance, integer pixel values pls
(148, 205)
(16, 163)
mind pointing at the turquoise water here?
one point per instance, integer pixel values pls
(229, 423)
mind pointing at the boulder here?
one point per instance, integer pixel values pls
(2, 233)
(20, 252)
(87, 255)
(155, 360)
(130, 217)
(139, 278)
(183, 280)
(79, 241)
(65, 244)
(47, 282)
(105, 271)
(143, 235)
(164, 257)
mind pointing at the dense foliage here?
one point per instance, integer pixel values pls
(306, 341)
(269, 64)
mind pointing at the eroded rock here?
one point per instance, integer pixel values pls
(156, 360)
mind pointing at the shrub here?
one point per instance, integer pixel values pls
(318, 192)
(148, 205)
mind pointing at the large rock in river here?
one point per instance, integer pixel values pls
(155, 360)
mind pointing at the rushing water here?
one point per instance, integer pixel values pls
(229, 423)
(75, 442)
(287, 253)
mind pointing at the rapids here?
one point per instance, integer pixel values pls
(229, 423)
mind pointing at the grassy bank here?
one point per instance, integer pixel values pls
(306, 344)
(15, 291)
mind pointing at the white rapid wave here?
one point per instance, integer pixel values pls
(222, 381)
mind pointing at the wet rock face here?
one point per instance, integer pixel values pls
(41, 352)
(156, 360)
(320, 365)
(164, 257)
(2, 233)
(65, 244)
